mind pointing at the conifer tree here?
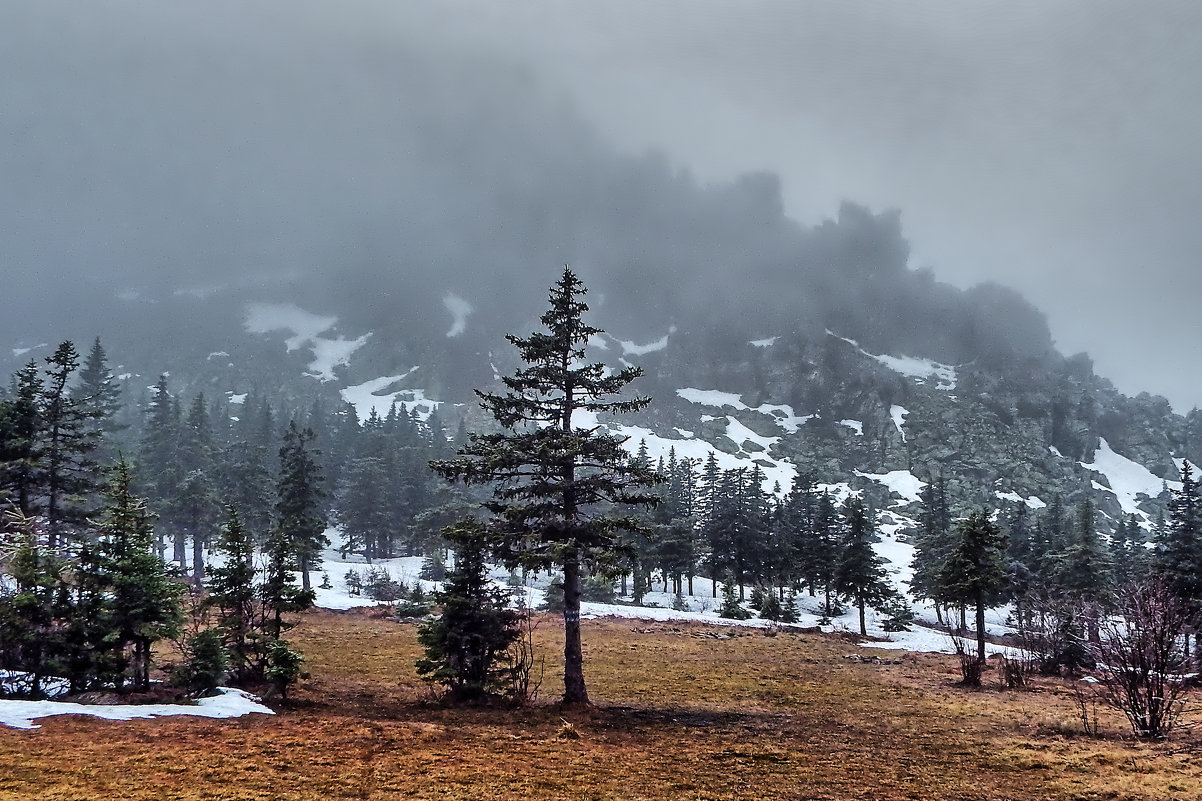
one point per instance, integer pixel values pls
(466, 642)
(975, 570)
(1179, 554)
(99, 394)
(142, 601)
(21, 465)
(234, 593)
(68, 446)
(300, 515)
(550, 473)
(861, 575)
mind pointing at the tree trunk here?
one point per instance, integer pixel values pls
(690, 582)
(198, 561)
(981, 629)
(304, 566)
(574, 691)
(178, 554)
(863, 627)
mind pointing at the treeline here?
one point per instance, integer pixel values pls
(109, 530)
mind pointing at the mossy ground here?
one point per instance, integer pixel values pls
(679, 714)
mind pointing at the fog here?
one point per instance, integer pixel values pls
(1051, 147)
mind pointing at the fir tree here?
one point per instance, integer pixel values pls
(975, 570)
(21, 465)
(99, 394)
(143, 602)
(68, 445)
(861, 575)
(550, 475)
(235, 595)
(1179, 554)
(466, 643)
(300, 516)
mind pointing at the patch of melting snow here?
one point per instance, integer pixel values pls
(230, 703)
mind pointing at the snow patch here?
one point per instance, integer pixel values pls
(764, 343)
(854, 425)
(378, 394)
(632, 349)
(230, 703)
(898, 414)
(306, 329)
(19, 352)
(1128, 480)
(910, 366)
(782, 414)
(903, 482)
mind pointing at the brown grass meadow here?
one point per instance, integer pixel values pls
(681, 711)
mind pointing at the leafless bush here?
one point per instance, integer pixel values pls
(1014, 673)
(525, 668)
(1142, 657)
(1052, 635)
(971, 666)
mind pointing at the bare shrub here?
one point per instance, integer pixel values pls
(525, 668)
(1014, 673)
(971, 666)
(1141, 657)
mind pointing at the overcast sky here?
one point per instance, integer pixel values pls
(1052, 146)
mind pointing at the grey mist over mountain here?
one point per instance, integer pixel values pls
(369, 159)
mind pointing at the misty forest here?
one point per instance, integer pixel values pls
(457, 402)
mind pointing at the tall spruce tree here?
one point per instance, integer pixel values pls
(143, 603)
(555, 476)
(861, 574)
(975, 570)
(99, 394)
(1179, 553)
(300, 514)
(68, 446)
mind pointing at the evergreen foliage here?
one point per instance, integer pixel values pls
(550, 474)
(861, 575)
(974, 572)
(465, 645)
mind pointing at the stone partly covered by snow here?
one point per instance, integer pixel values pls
(782, 414)
(379, 394)
(1128, 480)
(777, 471)
(307, 329)
(230, 703)
(898, 414)
(903, 482)
(911, 366)
(1032, 501)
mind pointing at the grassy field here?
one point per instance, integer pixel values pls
(682, 712)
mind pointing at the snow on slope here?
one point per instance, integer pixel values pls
(898, 414)
(776, 471)
(782, 414)
(306, 329)
(230, 704)
(911, 366)
(1128, 480)
(632, 349)
(903, 482)
(373, 395)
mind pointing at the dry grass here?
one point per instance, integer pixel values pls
(679, 715)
